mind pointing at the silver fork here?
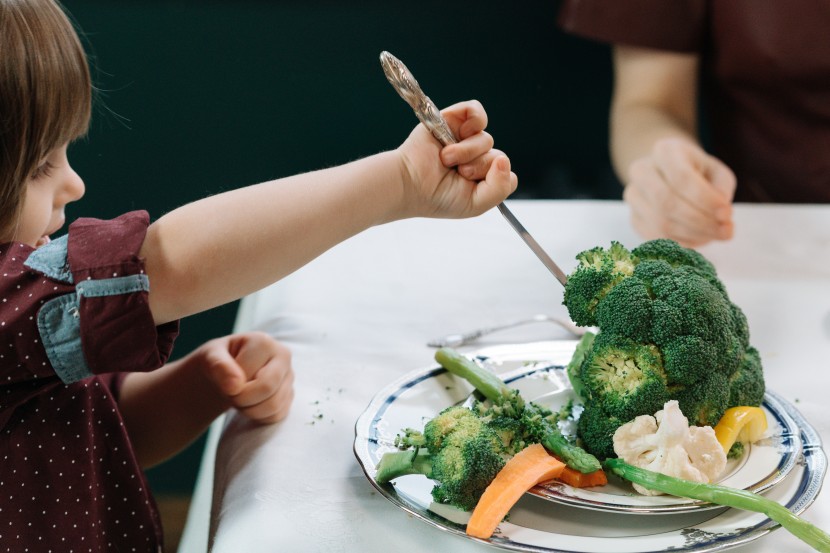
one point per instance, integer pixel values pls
(456, 340)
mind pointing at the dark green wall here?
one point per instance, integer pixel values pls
(196, 97)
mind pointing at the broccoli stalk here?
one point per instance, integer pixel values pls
(488, 384)
(508, 402)
(722, 495)
(400, 463)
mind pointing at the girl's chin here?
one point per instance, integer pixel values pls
(43, 241)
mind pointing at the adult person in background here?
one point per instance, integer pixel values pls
(760, 74)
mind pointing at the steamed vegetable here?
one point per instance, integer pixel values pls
(463, 449)
(741, 424)
(722, 495)
(665, 443)
(524, 470)
(462, 454)
(667, 331)
(534, 421)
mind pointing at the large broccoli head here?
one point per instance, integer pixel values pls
(668, 330)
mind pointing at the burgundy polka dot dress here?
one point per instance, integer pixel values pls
(74, 320)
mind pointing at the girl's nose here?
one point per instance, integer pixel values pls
(73, 185)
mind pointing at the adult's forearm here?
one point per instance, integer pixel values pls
(634, 130)
(655, 97)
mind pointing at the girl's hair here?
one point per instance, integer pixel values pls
(45, 93)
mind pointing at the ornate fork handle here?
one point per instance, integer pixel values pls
(425, 109)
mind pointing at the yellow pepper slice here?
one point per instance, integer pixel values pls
(740, 424)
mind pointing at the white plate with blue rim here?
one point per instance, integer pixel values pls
(788, 465)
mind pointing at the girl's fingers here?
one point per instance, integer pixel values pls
(477, 169)
(499, 183)
(268, 380)
(467, 150)
(265, 403)
(466, 118)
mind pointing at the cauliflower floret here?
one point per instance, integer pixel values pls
(665, 443)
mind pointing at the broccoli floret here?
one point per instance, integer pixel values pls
(538, 423)
(746, 385)
(583, 347)
(624, 377)
(676, 255)
(635, 321)
(599, 270)
(463, 455)
(465, 469)
(596, 431)
(736, 451)
(510, 432)
(662, 311)
(704, 402)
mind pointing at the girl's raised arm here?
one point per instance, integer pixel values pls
(221, 248)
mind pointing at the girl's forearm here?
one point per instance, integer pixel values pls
(221, 248)
(166, 410)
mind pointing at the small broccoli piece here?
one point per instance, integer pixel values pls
(746, 385)
(599, 270)
(507, 402)
(410, 438)
(463, 454)
(736, 451)
(465, 468)
(583, 347)
(623, 377)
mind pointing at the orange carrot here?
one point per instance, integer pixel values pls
(578, 479)
(524, 470)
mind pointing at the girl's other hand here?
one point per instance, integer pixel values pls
(460, 180)
(253, 372)
(680, 192)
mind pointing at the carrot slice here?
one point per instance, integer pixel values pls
(578, 479)
(524, 470)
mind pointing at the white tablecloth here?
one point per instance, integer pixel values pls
(360, 316)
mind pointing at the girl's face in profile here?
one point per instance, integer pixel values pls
(49, 189)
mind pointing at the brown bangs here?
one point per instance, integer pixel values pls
(45, 91)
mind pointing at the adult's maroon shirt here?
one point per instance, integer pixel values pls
(765, 80)
(74, 319)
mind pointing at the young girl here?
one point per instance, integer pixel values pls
(88, 320)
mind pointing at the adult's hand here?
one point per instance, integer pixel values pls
(679, 191)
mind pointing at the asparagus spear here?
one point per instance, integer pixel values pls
(722, 495)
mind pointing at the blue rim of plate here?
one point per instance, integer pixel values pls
(812, 463)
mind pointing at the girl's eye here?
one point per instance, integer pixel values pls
(43, 170)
